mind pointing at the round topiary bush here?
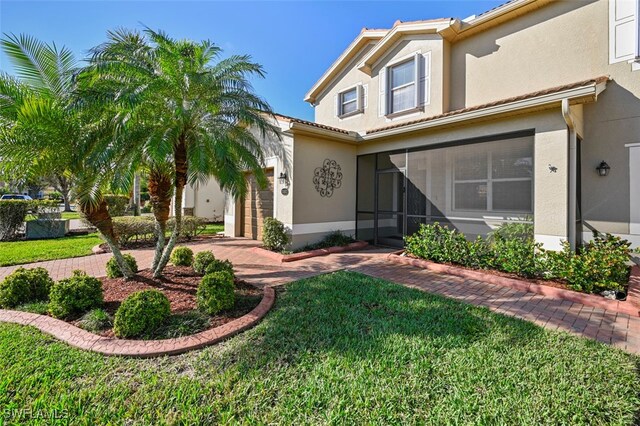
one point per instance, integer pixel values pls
(25, 286)
(216, 292)
(182, 256)
(113, 270)
(219, 266)
(75, 295)
(202, 260)
(140, 313)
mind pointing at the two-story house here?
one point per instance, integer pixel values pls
(529, 111)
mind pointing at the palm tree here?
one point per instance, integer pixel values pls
(197, 110)
(47, 129)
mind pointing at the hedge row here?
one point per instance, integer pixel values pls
(600, 265)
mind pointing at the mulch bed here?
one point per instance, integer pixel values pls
(179, 284)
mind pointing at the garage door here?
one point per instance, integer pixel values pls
(257, 205)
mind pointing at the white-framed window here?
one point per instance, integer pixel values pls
(494, 180)
(405, 84)
(623, 30)
(350, 101)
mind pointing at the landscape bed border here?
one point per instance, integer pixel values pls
(279, 257)
(85, 340)
(630, 307)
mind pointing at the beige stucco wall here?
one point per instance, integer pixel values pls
(563, 42)
(313, 214)
(325, 109)
(278, 154)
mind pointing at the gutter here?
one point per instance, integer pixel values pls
(573, 174)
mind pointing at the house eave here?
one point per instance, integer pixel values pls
(578, 95)
(365, 37)
(296, 128)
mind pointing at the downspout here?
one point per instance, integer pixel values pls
(573, 167)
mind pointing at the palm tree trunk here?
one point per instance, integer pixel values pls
(98, 216)
(160, 194)
(181, 166)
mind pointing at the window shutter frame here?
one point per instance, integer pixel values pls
(416, 80)
(383, 101)
(359, 95)
(623, 30)
(336, 105)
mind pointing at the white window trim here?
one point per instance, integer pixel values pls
(360, 100)
(422, 82)
(489, 182)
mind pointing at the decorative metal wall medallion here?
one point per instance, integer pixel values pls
(327, 178)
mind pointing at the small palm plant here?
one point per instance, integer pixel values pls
(198, 113)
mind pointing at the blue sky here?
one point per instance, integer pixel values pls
(295, 41)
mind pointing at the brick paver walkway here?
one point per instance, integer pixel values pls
(620, 330)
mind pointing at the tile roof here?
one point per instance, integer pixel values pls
(548, 91)
(311, 123)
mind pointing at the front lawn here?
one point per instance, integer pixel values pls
(19, 252)
(340, 348)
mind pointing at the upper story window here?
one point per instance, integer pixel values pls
(350, 101)
(404, 85)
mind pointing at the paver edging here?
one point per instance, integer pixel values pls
(358, 245)
(85, 340)
(630, 307)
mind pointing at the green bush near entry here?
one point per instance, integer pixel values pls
(274, 235)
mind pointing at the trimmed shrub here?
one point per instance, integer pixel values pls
(202, 260)
(516, 256)
(274, 235)
(113, 270)
(117, 204)
(96, 320)
(12, 216)
(216, 292)
(25, 286)
(75, 295)
(438, 243)
(182, 256)
(133, 228)
(192, 226)
(141, 313)
(597, 266)
(219, 266)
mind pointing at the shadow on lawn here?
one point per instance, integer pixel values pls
(357, 316)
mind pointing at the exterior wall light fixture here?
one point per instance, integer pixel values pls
(603, 168)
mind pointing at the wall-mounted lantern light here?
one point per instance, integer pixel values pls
(603, 168)
(283, 179)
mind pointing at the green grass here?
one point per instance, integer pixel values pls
(340, 348)
(213, 228)
(19, 252)
(70, 215)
